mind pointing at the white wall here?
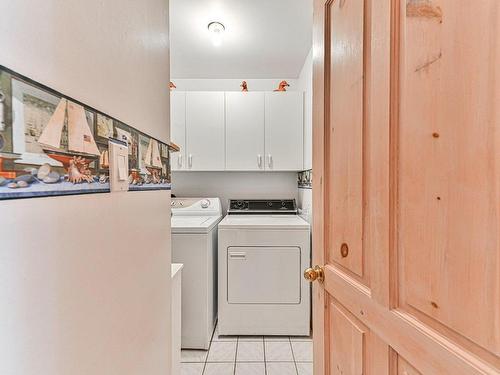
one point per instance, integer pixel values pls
(305, 83)
(232, 84)
(234, 185)
(304, 202)
(84, 280)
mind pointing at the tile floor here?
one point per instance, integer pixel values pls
(250, 355)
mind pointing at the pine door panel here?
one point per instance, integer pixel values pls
(448, 167)
(347, 345)
(404, 368)
(406, 174)
(346, 162)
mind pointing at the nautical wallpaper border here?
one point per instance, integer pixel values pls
(304, 179)
(52, 144)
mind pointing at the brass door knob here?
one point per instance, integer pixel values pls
(316, 273)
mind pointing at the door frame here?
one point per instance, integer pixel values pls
(320, 76)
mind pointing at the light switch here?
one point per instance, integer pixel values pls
(118, 165)
(122, 173)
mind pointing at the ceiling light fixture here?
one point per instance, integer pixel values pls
(216, 29)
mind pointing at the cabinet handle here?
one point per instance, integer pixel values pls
(179, 160)
(259, 160)
(190, 160)
(270, 160)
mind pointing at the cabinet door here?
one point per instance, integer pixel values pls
(245, 131)
(205, 131)
(284, 131)
(178, 128)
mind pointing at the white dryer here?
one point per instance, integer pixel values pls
(194, 243)
(264, 246)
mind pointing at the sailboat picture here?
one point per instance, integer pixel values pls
(104, 159)
(82, 148)
(153, 161)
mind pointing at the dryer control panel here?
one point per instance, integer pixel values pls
(262, 207)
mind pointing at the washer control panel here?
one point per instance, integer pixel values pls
(196, 206)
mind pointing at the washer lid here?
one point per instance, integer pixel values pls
(194, 224)
(285, 222)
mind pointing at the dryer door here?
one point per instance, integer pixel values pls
(263, 275)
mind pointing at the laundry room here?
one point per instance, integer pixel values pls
(241, 120)
(250, 187)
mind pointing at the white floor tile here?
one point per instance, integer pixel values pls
(222, 351)
(250, 338)
(300, 338)
(276, 338)
(219, 369)
(250, 369)
(305, 368)
(193, 355)
(192, 368)
(250, 352)
(302, 351)
(281, 368)
(278, 351)
(218, 337)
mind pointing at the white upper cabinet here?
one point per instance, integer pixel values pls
(245, 131)
(284, 131)
(178, 128)
(205, 131)
(237, 131)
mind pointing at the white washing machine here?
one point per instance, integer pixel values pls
(264, 246)
(194, 243)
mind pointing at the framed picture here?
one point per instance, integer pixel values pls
(32, 108)
(133, 153)
(164, 150)
(104, 128)
(123, 133)
(102, 164)
(5, 112)
(143, 148)
(46, 159)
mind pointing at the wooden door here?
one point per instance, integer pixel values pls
(406, 188)
(178, 128)
(245, 131)
(284, 131)
(205, 131)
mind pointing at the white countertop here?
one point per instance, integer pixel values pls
(176, 267)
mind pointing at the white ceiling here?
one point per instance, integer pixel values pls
(263, 38)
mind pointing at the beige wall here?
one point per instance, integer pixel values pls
(84, 280)
(112, 54)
